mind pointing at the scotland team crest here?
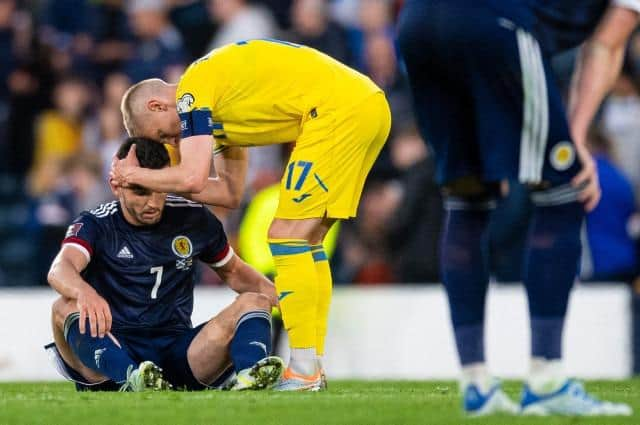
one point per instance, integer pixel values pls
(562, 156)
(182, 246)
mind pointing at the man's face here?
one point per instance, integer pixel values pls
(163, 126)
(140, 206)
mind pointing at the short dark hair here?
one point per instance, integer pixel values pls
(151, 154)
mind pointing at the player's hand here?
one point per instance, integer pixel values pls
(587, 179)
(96, 309)
(122, 168)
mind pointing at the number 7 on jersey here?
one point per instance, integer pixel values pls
(158, 270)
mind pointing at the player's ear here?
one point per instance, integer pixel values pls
(156, 105)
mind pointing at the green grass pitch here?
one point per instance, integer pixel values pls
(346, 402)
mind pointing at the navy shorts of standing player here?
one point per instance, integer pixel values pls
(126, 276)
(487, 103)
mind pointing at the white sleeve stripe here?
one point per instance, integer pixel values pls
(225, 260)
(629, 4)
(81, 248)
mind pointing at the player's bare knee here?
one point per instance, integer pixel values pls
(250, 301)
(61, 309)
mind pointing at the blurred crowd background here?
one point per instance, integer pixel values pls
(64, 65)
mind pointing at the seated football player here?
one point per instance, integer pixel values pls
(126, 273)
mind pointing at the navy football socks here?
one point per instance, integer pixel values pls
(99, 354)
(465, 275)
(252, 339)
(551, 266)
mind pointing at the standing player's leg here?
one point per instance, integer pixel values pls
(325, 288)
(99, 358)
(322, 183)
(553, 251)
(440, 69)
(239, 336)
(297, 285)
(545, 159)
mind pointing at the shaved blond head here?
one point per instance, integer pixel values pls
(134, 103)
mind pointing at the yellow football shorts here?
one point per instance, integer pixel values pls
(332, 158)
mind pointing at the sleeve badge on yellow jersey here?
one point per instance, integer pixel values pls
(185, 103)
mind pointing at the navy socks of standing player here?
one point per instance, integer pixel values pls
(550, 268)
(252, 339)
(99, 354)
(465, 275)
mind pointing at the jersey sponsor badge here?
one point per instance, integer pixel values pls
(185, 103)
(563, 156)
(182, 247)
(73, 230)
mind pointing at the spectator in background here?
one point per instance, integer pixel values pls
(7, 66)
(158, 50)
(75, 187)
(281, 10)
(59, 133)
(416, 221)
(105, 132)
(611, 253)
(112, 130)
(312, 27)
(191, 19)
(112, 40)
(374, 19)
(364, 256)
(65, 30)
(20, 91)
(240, 21)
(621, 125)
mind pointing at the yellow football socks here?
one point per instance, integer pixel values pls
(297, 287)
(325, 284)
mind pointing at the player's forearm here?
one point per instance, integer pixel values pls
(245, 278)
(216, 193)
(65, 279)
(231, 167)
(177, 179)
(597, 69)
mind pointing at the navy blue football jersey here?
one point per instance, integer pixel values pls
(564, 24)
(147, 273)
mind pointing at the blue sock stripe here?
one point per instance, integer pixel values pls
(319, 256)
(257, 314)
(317, 247)
(288, 249)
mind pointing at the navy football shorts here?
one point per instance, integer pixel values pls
(485, 97)
(168, 350)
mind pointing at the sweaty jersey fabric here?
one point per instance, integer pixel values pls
(147, 273)
(260, 92)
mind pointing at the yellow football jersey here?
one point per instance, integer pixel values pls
(260, 92)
